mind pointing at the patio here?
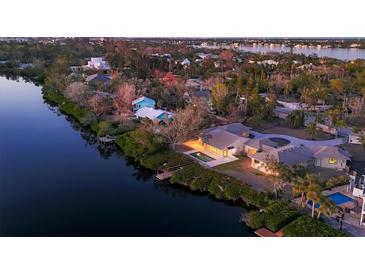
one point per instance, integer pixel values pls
(195, 146)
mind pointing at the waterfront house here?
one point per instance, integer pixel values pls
(320, 156)
(288, 155)
(153, 114)
(225, 140)
(142, 102)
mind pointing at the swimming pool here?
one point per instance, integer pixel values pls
(338, 198)
(202, 157)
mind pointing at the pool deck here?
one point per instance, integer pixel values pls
(218, 160)
(351, 221)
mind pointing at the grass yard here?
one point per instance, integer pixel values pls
(297, 132)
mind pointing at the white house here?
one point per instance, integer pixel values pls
(185, 62)
(97, 63)
(153, 114)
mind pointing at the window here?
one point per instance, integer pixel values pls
(332, 161)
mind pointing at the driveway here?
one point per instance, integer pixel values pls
(298, 141)
(242, 170)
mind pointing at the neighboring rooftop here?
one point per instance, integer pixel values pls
(143, 98)
(98, 77)
(151, 113)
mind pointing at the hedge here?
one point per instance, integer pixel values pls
(219, 185)
(82, 115)
(306, 226)
(274, 217)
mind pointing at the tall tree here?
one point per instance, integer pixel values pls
(186, 122)
(312, 129)
(219, 92)
(313, 192)
(122, 100)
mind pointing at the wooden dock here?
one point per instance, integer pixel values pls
(107, 139)
(167, 172)
(264, 232)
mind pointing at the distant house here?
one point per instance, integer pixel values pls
(98, 78)
(186, 62)
(142, 102)
(153, 114)
(76, 68)
(225, 140)
(282, 112)
(24, 65)
(97, 63)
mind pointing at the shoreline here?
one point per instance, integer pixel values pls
(221, 187)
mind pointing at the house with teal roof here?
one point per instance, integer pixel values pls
(143, 102)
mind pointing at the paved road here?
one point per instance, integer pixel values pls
(298, 141)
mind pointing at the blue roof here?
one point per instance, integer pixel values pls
(144, 98)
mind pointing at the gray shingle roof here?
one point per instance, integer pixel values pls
(219, 138)
(288, 155)
(236, 128)
(330, 152)
(264, 144)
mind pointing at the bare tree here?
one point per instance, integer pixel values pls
(79, 93)
(100, 104)
(186, 122)
(122, 101)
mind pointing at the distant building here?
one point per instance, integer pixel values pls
(24, 65)
(142, 102)
(186, 62)
(153, 114)
(97, 63)
(98, 78)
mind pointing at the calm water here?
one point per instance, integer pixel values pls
(338, 53)
(55, 181)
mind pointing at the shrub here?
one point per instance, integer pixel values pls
(306, 226)
(279, 214)
(219, 185)
(139, 143)
(274, 217)
(103, 128)
(255, 219)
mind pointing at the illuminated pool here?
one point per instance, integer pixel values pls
(202, 157)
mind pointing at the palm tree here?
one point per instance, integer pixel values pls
(313, 193)
(300, 187)
(326, 206)
(296, 118)
(312, 130)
